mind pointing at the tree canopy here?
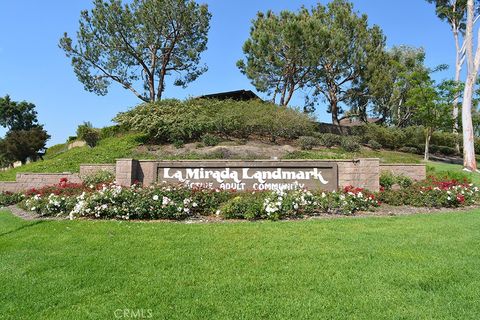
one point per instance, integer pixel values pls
(326, 50)
(140, 42)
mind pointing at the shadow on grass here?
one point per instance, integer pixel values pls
(22, 227)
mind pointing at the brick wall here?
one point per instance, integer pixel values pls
(89, 169)
(362, 173)
(413, 171)
(27, 181)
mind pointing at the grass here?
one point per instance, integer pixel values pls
(411, 267)
(60, 160)
(455, 169)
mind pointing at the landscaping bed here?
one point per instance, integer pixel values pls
(106, 200)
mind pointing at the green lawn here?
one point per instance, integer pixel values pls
(107, 151)
(412, 267)
(440, 167)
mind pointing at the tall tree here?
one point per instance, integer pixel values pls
(17, 115)
(276, 54)
(341, 45)
(473, 64)
(454, 12)
(144, 41)
(25, 138)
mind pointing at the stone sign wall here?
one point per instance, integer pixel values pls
(250, 175)
(239, 175)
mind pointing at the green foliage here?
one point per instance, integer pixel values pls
(172, 120)
(374, 144)
(107, 151)
(210, 140)
(409, 150)
(246, 206)
(22, 144)
(445, 174)
(432, 193)
(350, 144)
(308, 142)
(101, 176)
(89, 134)
(387, 180)
(141, 41)
(330, 140)
(277, 54)
(388, 137)
(17, 115)
(9, 198)
(178, 144)
(112, 131)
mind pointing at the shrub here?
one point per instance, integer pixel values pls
(387, 180)
(99, 177)
(89, 134)
(245, 206)
(111, 131)
(448, 151)
(330, 140)
(350, 144)
(404, 181)
(210, 140)
(91, 137)
(409, 150)
(308, 142)
(171, 120)
(388, 137)
(178, 144)
(10, 198)
(433, 193)
(374, 145)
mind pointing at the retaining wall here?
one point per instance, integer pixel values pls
(364, 173)
(413, 171)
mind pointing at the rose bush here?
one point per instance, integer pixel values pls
(433, 193)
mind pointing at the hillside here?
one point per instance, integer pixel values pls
(59, 159)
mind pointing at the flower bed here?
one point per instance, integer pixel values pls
(110, 201)
(433, 193)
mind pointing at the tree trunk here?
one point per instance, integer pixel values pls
(428, 134)
(334, 110)
(458, 69)
(469, 161)
(473, 63)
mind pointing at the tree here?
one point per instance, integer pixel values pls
(341, 45)
(23, 144)
(433, 105)
(473, 64)
(17, 115)
(276, 54)
(454, 11)
(25, 137)
(144, 41)
(392, 81)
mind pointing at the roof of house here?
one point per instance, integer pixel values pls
(239, 95)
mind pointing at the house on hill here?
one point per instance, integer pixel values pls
(238, 95)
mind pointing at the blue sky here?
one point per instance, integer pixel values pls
(33, 68)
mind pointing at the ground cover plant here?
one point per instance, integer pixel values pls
(189, 120)
(409, 267)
